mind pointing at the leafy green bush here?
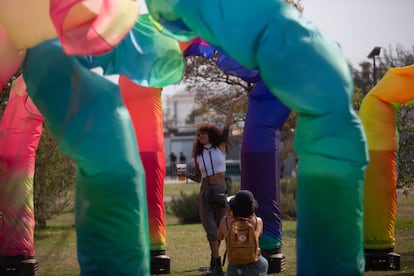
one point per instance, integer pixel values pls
(288, 198)
(232, 186)
(185, 208)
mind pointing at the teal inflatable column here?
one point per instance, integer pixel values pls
(87, 116)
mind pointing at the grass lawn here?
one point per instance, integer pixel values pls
(187, 246)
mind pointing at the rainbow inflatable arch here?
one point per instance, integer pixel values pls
(56, 43)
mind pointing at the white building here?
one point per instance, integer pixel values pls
(177, 105)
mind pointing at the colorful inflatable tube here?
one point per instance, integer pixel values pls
(88, 118)
(145, 56)
(20, 131)
(260, 171)
(145, 108)
(92, 27)
(379, 115)
(84, 27)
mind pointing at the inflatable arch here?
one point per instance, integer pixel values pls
(329, 139)
(300, 66)
(379, 115)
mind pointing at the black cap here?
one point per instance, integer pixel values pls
(243, 204)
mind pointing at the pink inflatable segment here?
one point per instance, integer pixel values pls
(379, 116)
(145, 108)
(20, 131)
(10, 57)
(92, 27)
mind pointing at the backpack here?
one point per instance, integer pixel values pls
(241, 243)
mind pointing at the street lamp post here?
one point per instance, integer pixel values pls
(374, 52)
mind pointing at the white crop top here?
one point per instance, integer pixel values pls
(218, 158)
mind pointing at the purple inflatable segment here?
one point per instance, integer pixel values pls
(260, 163)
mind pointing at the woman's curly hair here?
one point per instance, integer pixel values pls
(215, 135)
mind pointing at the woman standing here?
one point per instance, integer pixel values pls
(209, 153)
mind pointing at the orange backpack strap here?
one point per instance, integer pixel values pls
(225, 252)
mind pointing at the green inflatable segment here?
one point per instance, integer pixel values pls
(145, 55)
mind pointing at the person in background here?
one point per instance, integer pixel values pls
(243, 207)
(173, 164)
(182, 158)
(209, 153)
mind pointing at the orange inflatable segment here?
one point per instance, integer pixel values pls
(380, 202)
(27, 22)
(145, 109)
(184, 44)
(396, 85)
(11, 58)
(137, 99)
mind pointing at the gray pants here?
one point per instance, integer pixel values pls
(210, 214)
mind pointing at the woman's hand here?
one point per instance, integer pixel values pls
(238, 101)
(192, 177)
(233, 104)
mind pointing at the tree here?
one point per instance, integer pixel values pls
(296, 3)
(362, 77)
(54, 183)
(196, 112)
(405, 146)
(392, 57)
(214, 90)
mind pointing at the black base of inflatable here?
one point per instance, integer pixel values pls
(381, 260)
(18, 266)
(276, 260)
(160, 263)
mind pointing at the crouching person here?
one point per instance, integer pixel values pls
(241, 229)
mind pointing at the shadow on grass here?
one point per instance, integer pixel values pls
(289, 233)
(53, 231)
(407, 263)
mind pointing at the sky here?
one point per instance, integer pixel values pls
(360, 25)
